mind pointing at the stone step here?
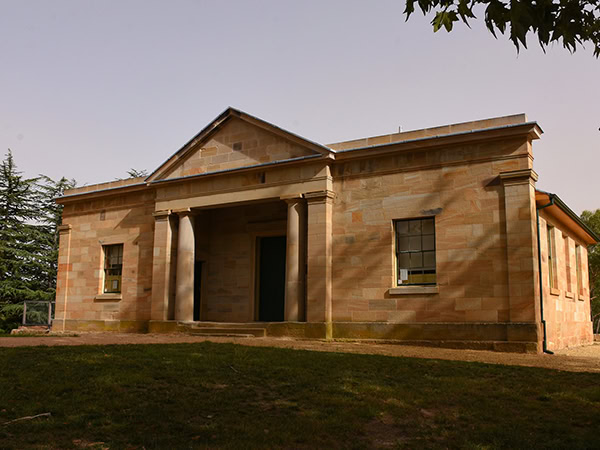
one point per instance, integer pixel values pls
(228, 325)
(229, 332)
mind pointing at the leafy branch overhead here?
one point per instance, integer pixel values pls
(570, 22)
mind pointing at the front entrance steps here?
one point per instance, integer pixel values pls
(227, 331)
(297, 330)
(222, 329)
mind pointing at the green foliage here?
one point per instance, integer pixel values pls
(592, 220)
(571, 22)
(20, 251)
(29, 220)
(49, 220)
(11, 316)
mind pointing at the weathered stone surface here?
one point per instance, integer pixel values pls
(338, 211)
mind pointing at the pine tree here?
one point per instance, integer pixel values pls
(19, 251)
(49, 220)
(29, 220)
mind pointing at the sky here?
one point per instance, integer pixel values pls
(90, 89)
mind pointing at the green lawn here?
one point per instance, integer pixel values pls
(225, 395)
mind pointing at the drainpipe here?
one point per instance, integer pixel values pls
(537, 214)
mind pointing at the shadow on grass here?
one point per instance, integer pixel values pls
(224, 395)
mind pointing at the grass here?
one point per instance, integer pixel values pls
(224, 395)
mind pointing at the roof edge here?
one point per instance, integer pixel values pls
(532, 125)
(222, 118)
(569, 212)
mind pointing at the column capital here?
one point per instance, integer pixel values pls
(291, 198)
(523, 176)
(182, 212)
(161, 215)
(65, 228)
(324, 196)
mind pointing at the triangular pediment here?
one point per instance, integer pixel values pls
(235, 140)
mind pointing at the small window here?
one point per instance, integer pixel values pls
(113, 268)
(568, 264)
(415, 251)
(551, 258)
(578, 268)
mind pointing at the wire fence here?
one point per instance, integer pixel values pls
(38, 313)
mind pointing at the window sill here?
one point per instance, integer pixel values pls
(581, 298)
(569, 294)
(108, 297)
(414, 290)
(554, 291)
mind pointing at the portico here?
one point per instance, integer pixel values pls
(223, 246)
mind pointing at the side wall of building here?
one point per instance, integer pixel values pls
(567, 301)
(87, 227)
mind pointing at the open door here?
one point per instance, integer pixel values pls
(197, 289)
(271, 278)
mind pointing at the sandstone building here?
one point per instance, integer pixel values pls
(426, 236)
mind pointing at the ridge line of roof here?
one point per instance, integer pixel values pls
(229, 112)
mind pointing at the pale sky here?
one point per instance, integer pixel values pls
(90, 89)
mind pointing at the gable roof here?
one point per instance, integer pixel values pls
(218, 123)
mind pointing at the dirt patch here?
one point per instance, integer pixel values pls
(579, 359)
(382, 432)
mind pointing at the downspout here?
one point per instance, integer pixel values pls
(539, 246)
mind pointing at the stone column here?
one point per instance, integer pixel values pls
(295, 260)
(521, 245)
(320, 257)
(62, 278)
(184, 294)
(161, 267)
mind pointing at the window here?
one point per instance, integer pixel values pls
(568, 263)
(578, 268)
(415, 251)
(113, 268)
(551, 257)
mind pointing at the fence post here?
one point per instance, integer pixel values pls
(49, 313)
(24, 312)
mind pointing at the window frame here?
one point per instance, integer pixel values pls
(397, 252)
(551, 252)
(578, 261)
(118, 266)
(568, 267)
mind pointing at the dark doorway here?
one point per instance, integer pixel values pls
(271, 279)
(197, 289)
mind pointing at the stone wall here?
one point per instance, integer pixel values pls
(566, 308)
(87, 226)
(461, 188)
(237, 144)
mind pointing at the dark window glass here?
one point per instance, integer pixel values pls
(415, 251)
(113, 268)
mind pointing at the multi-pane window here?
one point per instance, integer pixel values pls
(568, 263)
(578, 268)
(551, 257)
(415, 251)
(113, 268)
